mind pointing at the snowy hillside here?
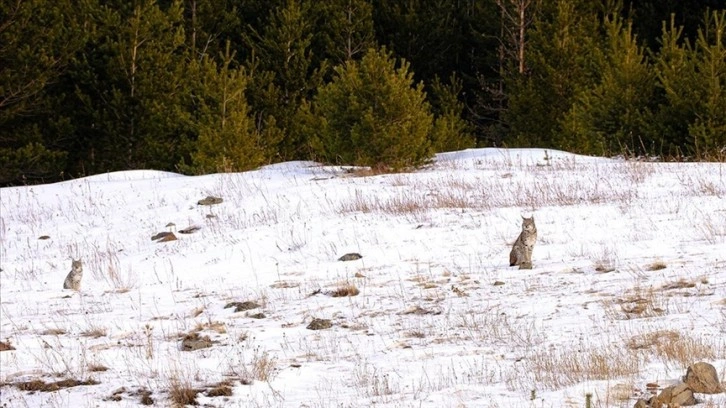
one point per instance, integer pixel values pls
(628, 287)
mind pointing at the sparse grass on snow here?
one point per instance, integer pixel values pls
(628, 285)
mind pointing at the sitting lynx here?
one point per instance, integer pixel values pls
(522, 249)
(73, 280)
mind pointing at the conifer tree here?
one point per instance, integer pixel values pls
(709, 129)
(565, 53)
(450, 131)
(344, 29)
(132, 88)
(693, 78)
(37, 41)
(283, 73)
(372, 114)
(227, 139)
(615, 115)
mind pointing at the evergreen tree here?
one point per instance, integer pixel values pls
(615, 115)
(677, 98)
(37, 41)
(210, 24)
(450, 131)
(648, 17)
(132, 89)
(566, 52)
(693, 78)
(283, 74)
(371, 114)
(343, 30)
(227, 139)
(709, 129)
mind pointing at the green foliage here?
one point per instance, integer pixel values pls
(676, 100)
(130, 88)
(709, 129)
(210, 24)
(615, 115)
(450, 132)
(30, 163)
(343, 29)
(564, 59)
(283, 72)
(371, 114)
(693, 79)
(227, 139)
(92, 86)
(37, 41)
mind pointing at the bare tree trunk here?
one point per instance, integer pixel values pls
(193, 7)
(516, 17)
(522, 27)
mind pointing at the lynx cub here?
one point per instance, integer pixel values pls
(522, 249)
(73, 280)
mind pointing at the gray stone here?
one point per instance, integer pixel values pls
(193, 342)
(350, 257)
(210, 200)
(320, 324)
(242, 306)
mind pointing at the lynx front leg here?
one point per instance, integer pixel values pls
(527, 261)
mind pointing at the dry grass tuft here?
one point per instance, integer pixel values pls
(222, 389)
(684, 350)
(181, 392)
(680, 284)
(606, 260)
(404, 203)
(263, 367)
(53, 332)
(649, 340)
(40, 385)
(345, 290)
(96, 368)
(217, 327)
(657, 266)
(636, 305)
(6, 346)
(670, 346)
(95, 332)
(561, 368)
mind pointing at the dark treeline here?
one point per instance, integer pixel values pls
(198, 86)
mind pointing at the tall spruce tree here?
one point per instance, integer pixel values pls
(131, 88)
(283, 73)
(564, 57)
(615, 115)
(709, 129)
(693, 78)
(372, 114)
(37, 41)
(227, 139)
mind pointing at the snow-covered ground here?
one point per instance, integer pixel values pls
(628, 286)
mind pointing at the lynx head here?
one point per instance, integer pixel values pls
(528, 224)
(76, 265)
